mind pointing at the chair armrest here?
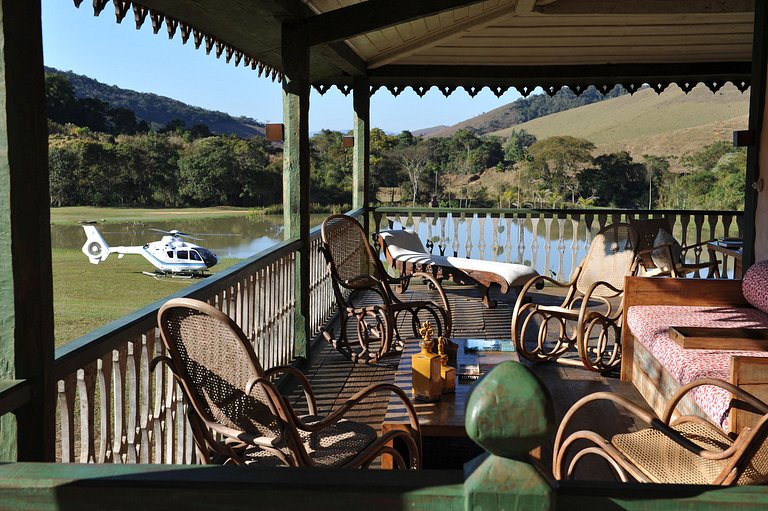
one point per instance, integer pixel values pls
(292, 371)
(740, 393)
(353, 401)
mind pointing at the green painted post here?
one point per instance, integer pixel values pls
(361, 169)
(26, 290)
(509, 413)
(296, 171)
(757, 107)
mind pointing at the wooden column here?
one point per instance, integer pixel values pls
(296, 171)
(361, 168)
(756, 203)
(26, 290)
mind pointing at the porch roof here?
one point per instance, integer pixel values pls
(472, 43)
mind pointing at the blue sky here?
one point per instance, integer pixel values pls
(75, 40)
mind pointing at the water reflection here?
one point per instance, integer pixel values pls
(234, 237)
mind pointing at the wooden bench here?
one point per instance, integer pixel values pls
(658, 366)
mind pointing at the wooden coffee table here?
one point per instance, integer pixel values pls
(443, 419)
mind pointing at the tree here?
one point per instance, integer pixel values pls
(414, 160)
(516, 146)
(657, 168)
(616, 181)
(554, 161)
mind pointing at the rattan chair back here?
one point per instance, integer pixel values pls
(351, 257)
(610, 258)
(214, 361)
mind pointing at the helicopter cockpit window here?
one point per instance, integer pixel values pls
(194, 256)
(170, 253)
(182, 254)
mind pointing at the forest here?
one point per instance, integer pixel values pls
(105, 156)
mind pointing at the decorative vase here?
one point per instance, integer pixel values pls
(427, 381)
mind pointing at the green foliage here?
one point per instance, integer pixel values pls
(331, 169)
(614, 181)
(517, 145)
(551, 166)
(716, 181)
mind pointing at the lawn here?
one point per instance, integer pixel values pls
(75, 214)
(87, 296)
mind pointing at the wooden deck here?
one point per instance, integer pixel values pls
(334, 378)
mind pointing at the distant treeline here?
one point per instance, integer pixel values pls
(103, 156)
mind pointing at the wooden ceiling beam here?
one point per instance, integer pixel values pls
(613, 72)
(358, 19)
(622, 7)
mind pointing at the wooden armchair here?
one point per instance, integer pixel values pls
(358, 275)
(237, 414)
(659, 258)
(688, 450)
(589, 307)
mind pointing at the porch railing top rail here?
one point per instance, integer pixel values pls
(555, 212)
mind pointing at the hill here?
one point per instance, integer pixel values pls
(522, 110)
(668, 124)
(159, 110)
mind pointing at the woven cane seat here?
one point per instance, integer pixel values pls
(664, 461)
(333, 446)
(237, 415)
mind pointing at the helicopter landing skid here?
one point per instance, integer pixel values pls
(178, 275)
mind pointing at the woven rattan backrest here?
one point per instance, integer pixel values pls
(609, 259)
(352, 256)
(215, 361)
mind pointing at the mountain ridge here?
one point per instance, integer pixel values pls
(159, 110)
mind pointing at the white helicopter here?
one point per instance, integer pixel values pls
(172, 256)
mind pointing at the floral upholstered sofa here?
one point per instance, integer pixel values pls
(659, 366)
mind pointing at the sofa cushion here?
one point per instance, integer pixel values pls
(650, 326)
(754, 285)
(660, 256)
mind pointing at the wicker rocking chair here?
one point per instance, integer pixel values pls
(660, 254)
(237, 414)
(594, 320)
(688, 450)
(357, 274)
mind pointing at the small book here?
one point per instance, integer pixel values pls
(472, 372)
(468, 372)
(476, 345)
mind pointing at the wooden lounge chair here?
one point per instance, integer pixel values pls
(237, 414)
(660, 254)
(357, 275)
(589, 307)
(405, 252)
(688, 450)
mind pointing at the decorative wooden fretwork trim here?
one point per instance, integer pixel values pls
(157, 18)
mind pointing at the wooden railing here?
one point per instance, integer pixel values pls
(111, 408)
(561, 237)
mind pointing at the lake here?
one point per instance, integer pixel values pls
(237, 237)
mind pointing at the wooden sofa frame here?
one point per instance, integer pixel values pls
(749, 373)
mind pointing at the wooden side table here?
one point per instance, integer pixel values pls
(714, 247)
(443, 419)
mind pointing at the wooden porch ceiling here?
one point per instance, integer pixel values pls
(485, 42)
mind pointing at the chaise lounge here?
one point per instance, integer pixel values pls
(406, 253)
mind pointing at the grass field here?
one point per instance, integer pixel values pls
(74, 214)
(87, 296)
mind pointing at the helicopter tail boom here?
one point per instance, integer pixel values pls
(95, 248)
